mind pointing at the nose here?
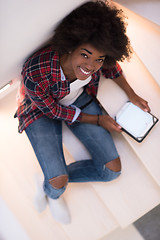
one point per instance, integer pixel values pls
(90, 65)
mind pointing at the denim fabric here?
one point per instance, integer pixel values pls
(45, 135)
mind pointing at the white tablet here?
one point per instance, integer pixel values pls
(135, 121)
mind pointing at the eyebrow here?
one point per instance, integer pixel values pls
(90, 52)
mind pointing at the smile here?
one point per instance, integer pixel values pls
(84, 72)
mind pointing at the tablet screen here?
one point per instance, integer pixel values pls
(134, 120)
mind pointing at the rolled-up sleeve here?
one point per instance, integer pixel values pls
(78, 111)
(42, 98)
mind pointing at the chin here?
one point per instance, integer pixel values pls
(83, 78)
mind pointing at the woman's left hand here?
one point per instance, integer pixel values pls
(133, 97)
(140, 102)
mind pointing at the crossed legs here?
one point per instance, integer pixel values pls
(62, 180)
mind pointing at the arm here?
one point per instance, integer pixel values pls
(133, 97)
(106, 121)
(41, 97)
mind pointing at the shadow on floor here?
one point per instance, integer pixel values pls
(149, 225)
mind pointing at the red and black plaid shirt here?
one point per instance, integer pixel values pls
(42, 88)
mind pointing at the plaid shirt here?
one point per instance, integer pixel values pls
(42, 88)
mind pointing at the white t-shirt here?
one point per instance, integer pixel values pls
(76, 89)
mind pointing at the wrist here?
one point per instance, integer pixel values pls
(88, 118)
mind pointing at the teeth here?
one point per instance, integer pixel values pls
(84, 71)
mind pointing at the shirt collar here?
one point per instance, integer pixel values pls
(63, 78)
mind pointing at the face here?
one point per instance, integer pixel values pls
(86, 60)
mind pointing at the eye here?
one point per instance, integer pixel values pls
(84, 55)
(100, 60)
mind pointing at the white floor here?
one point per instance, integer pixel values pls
(10, 228)
(129, 233)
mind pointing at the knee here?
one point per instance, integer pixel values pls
(59, 181)
(114, 165)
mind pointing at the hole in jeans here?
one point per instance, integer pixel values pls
(59, 181)
(114, 165)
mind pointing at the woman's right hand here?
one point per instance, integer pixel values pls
(104, 121)
(109, 123)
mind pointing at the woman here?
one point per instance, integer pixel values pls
(60, 84)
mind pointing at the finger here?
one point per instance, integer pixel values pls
(146, 108)
(118, 128)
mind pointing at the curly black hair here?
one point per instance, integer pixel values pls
(95, 23)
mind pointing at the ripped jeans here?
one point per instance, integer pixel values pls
(45, 135)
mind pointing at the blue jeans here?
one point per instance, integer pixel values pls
(45, 135)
